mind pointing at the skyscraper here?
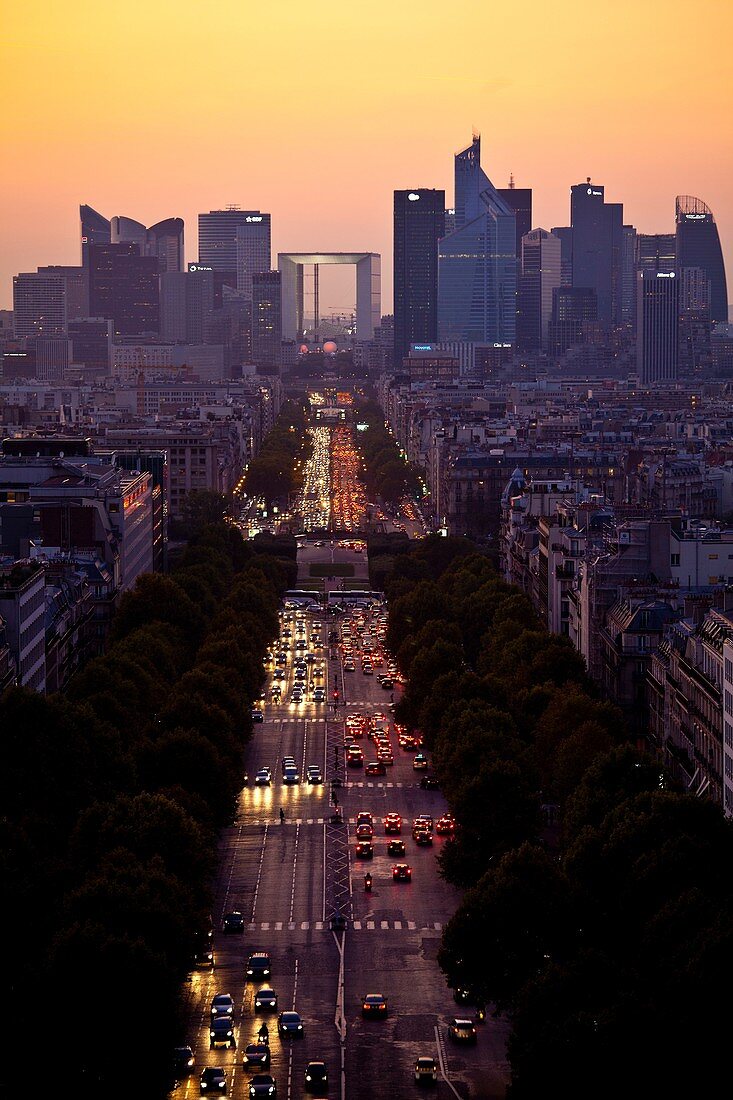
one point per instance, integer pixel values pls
(266, 318)
(95, 229)
(164, 240)
(44, 301)
(657, 314)
(186, 304)
(477, 263)
(419, 223)
(597, 247)
(698, 245)
(628, 276)
(520, 200)
(656, 252)
(91, 340)
(540, 276)
(253, 249)
(123, 287)
(219, 248)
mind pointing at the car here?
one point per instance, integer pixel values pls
(355, 759)
(401, 872)
(422, 821)
(385, 756)
(222, 1005)
(338, 922)
(375, 767)
(364, 817)
(257, 716)
(290, 1023)
(373, 1005)
(314, 773)
(263, 778)
(429, 783)
(349, 666)
(290, 775)
(445, 825)
(386, 682)
(233, 922)
(259, 965)
(296, 698)
(423, 837)
(420, 762)
(316, 1077)
(183, 1062)
(396, 848)
(462, 1030)
(367, 670)
(262, 1084)
(426, 1071)
(213, 1079)
(319, 695)
(265, 998)
(204, 956)
(256, 1056)
(364, 849)
(364, 832)
(221, 1032)
(393, 823)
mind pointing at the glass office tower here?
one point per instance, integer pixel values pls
(95, 229)
(419, 223)
(698, 245)
(477, 265)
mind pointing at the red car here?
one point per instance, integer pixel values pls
(401, 872)
(393, 823)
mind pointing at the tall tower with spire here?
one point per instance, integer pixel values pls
(477, 268)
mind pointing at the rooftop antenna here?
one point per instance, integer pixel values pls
(587, 179)
(236, 206)
(511, 181)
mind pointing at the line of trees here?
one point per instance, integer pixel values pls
(388, 475)
(606, 939)
(277, 470)
(113, 799)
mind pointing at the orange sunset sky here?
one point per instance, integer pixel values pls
(315, 110)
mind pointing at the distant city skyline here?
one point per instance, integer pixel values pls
(553, 109)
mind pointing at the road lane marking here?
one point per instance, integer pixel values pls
(259, 875)
(442, 1062)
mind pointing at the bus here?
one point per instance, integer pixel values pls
(344, 597)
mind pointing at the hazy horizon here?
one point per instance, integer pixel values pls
(317, 114)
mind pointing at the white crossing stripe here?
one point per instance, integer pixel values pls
(305, 925)
(278, 926)
(384, 924)
(398, 924)
(265, 926)
(319, 925)
(357, 925)
(370, 925)
(437, 926)
(411, 925)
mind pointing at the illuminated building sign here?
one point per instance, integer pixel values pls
(253, 218)
(665, 274)
(591, 191)
(422, 347)
(199, 267)
(695, 217)
(413, 197)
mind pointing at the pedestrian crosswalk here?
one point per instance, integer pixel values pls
(261, 821)
(356, 925)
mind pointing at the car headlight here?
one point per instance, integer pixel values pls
(300, 1027)
(307, 1076)
(190, 1062)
